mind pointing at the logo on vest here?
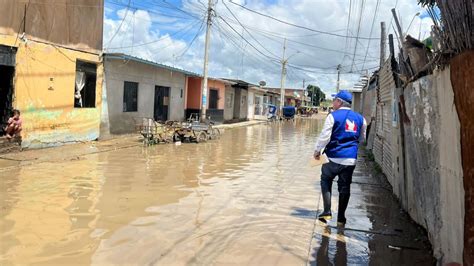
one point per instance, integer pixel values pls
(351, 126)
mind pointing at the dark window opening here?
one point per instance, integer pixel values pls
(6, 95)
(85, 85)
(162, 102)
(213, 98)
(130, 96)
(181, 93)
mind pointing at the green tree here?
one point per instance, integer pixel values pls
(316, 94)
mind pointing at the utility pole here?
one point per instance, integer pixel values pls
(305, 93)
(383, 45)
(391, 45)
(206, 59)
(399, 27)
(283, 76)
(338, 77)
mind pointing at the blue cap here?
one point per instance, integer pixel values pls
(345, 96)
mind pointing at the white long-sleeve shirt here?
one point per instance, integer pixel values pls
(325, 138)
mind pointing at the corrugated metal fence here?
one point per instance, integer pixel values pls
(383, 139)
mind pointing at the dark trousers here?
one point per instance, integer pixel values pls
(344, 173)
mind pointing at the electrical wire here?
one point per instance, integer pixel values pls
(256, 49)
(298, 26)
(372, 29)
(149, 10)
(179, 9)
(243, 27)
(260, 61)
(121, 23)
(266, 34)
(358, 31)
(152, 9)
(188, 27)
(23, 21)
(200, 30)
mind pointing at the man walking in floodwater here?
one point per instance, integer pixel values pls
(339, 140)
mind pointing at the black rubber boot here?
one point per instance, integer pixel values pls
(326, 215)
(343, 202)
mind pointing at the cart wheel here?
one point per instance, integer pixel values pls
(176, 137)
(201, 137)
(168, 138)
(215, 133)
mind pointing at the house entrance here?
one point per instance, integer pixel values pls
(213, 98)
(162, 102)
(7, 72)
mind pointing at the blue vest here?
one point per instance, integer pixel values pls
(345, 135)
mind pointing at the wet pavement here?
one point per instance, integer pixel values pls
(250, 198)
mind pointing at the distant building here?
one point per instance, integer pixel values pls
(293, 97)
(258, 103)
(356, 99)
(216, 99)
(240, 92)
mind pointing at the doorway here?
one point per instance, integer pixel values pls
(162, 102)
(213, 98)
(7, 72)
(6, 95)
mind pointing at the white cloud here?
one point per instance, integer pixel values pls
(234, 58)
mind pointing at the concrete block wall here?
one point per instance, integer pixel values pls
(147, 77)
(432, 189)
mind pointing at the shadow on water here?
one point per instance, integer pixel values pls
(324, 255)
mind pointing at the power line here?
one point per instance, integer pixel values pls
(268, 33)
(121, 23)
(347, 31)
(232, 13)
(229, 36)
(23, 22)
(187, 28)
(298, 26)
(192, 41)
(358, 31)
(259, 61)
(164, 47)
(372, 29)
(179, 9)
(148, 9)
(230, 26)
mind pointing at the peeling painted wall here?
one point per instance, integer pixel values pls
(434, 193)
(44, 86)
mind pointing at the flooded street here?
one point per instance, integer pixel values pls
(249, 198)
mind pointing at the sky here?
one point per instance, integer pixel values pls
(249, 46)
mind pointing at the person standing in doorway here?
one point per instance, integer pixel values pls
(343, 130)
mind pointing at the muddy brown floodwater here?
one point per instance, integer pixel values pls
(248, 198)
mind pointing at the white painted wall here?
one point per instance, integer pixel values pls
(251, 105)
(229, 102)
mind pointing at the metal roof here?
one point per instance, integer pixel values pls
(121, 56)
(241, 82)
